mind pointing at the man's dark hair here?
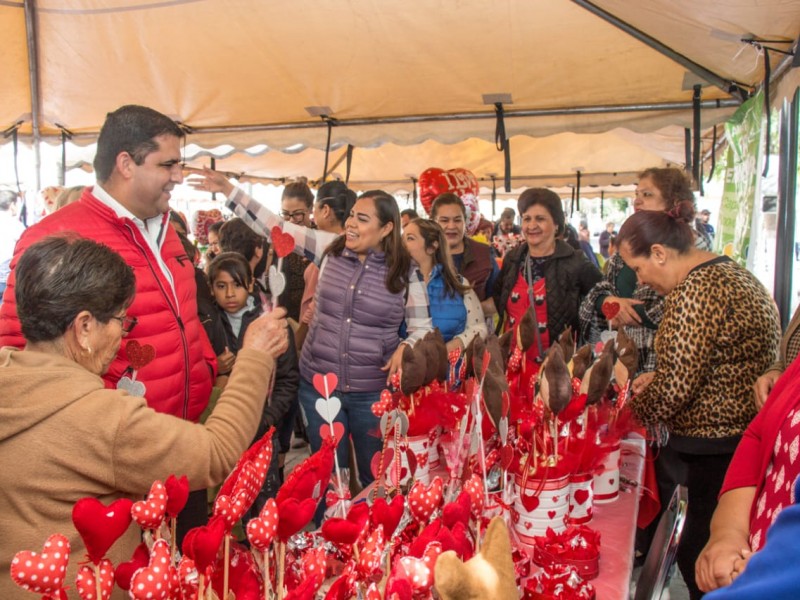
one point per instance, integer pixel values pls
(130, 129)
(410, 213)
(62, 275)
(236, 236)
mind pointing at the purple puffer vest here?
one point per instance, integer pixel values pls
(354, 331)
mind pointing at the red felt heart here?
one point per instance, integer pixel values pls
(86, 581)
(293, 515)
(201, 544)
(153, 581)
(325, 384)
(422, 501)
(388, 514)
(282, 242)
(458, 511)
(149, 513)
(581, 496)
(338, 431)
(261, 530)
(139, 355)
(531, 503)
(369, 559)
(99, 525)
(125, 570)
(347, 531)
(551, 514)
(231, 508)
(42, 572)
(177, 494)
(506, 456)
(610, 309)
(244, 580)
(375, 463)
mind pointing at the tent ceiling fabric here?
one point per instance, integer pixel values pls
(217, 66)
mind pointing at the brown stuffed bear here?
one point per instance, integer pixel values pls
(487, 575)
(495, 382)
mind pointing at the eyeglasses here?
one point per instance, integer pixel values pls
(127, 323)
(295, 215)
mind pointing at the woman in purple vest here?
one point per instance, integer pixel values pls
(367, 289)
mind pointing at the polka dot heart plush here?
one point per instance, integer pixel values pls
(149, 513)
(86, 581)
(369, 561)
(231, 508)
(153, 581)
(419, 572)
(42, 572)
(423, 501)
(261, 530)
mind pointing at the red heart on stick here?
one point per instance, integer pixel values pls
(99, 525)
(177, 494)
(42, 572)
(201, 544)
(320, 381)
(338, 431)
(293, 515)
(422, 501)
(282, 242)
(231, 508)
(261, 530)
(610, 309)
(153, 581)
(86, 581)
(139, 355)
(388, 514)
(149, 513)
(125, 570)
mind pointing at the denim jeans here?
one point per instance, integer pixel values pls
(360, 425)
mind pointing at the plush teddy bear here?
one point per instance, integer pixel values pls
(488, 574)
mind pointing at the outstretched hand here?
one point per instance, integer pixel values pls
(394, 363)
(208, 180)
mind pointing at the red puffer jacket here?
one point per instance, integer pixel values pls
(178, 380)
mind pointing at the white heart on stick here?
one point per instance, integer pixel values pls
(328, 409)
(277, 281)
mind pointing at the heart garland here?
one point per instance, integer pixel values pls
(42, 572)
(99, 525)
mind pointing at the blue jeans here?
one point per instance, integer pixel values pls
(360, 425)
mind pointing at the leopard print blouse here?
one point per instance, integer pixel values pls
(720, 331)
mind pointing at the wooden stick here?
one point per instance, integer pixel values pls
(98, 582)
(281, 559)
(173, 526)
(226, 565)
(267, 581)
(201, 584)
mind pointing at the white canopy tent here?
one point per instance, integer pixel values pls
(402, 81)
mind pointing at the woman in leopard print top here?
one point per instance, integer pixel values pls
(719, 332)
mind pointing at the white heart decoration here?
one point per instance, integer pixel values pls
(328, 409)
(608, 336)
(133, 387)
(277, 281)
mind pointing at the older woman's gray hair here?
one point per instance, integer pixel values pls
(59, 276)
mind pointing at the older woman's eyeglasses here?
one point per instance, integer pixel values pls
(127, 323)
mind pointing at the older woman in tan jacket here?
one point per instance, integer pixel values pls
(64, 436)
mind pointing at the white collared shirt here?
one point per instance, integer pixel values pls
(154, 230)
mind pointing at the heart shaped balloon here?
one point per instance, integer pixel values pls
(86, 581)
(99, 525)
(435, 181)
(42, 572)
(149, 513)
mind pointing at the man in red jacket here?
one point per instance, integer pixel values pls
(167, 357)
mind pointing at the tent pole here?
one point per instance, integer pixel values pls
(729, 86)
(33, 70)
(787, 202)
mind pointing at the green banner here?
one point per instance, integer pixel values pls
(743, 132)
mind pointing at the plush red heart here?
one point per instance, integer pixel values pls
(474, 487)
(347, 531)
(369, 559)
(422, 501)
(244, 582)
(201, 544)
(419, 572)
(153, 581)
(293, 515)
(177, 494)
(388, 514)
(375, 464)
(325, 384)
(125, 570)
(610, 309)
(231, 508)
(149, 513)
(42, 572)
(383, 405)
(581, 496)
(282, 242)
(187, 577)
(139, 355)
(338, 431)
(434, 181)
(86, 581)
(506, 456)
(99, 525)
(458, 511)
(261, 530)
(531, 503)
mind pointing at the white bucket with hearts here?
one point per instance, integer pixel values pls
(540, 504)
(419, 446)
(581, 498)
(433, 449)
(606, 483)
